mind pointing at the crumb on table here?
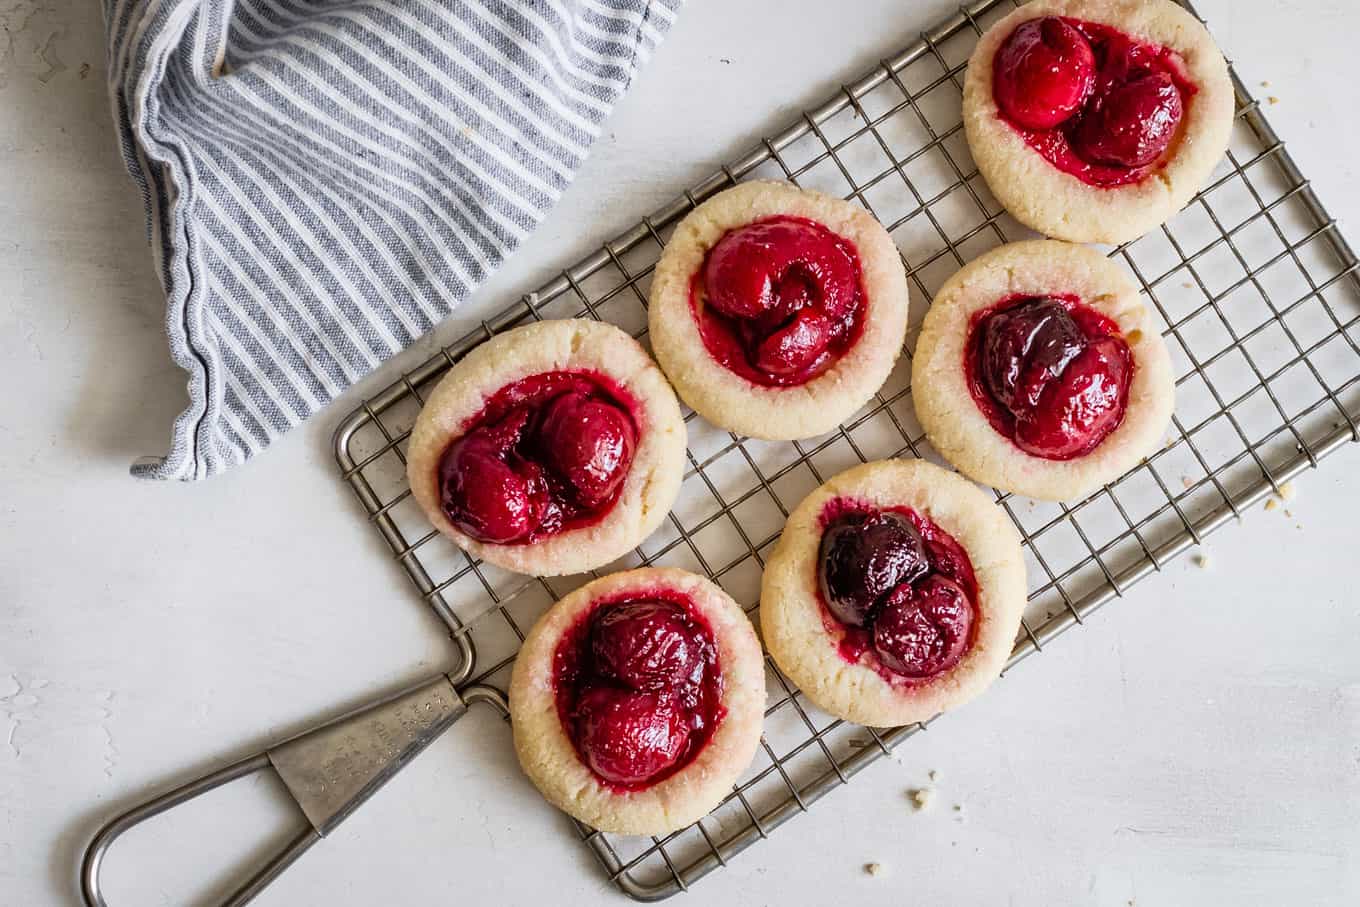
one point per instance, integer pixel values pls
(874, 869)
(921, 797)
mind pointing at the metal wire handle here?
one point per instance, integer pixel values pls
(329, 771)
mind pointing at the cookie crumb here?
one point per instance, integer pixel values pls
(1272, 503)
(1187, 482)
(874, 869)
(1287, 491)
(934, 775)
(1202, 561)
(1272, 100)
(1265, 83)
(921, 797)
(1187, 284)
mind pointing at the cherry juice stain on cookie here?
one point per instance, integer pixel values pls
(546, 453)
(1095, 102)
(638, 687)
(897, 589)
(1050, 373)
(778, 301)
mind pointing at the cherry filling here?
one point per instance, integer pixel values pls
(1049, 373)
(638, 687)
(1093, 101)
(897, 587)
(546, 453)
(778, 301)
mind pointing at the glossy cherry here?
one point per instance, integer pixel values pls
(629, 736)
(924, 629)
(590, 443)
(779, 300)
(1095, 102)
(1131, 122)
(1043, 73)
(485, 493)
(646, 645)
(899, 587)
(1082, 406)
(1050, 374)
(795, 345)
(638, 687)
(1025, 348)
(549, 452)
(862, 558)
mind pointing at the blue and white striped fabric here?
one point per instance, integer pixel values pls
(325, 180)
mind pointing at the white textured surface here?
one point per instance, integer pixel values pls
(1197, 743)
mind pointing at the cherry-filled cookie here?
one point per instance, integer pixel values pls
(894, 593)
(636, 701)
(1039, 371)
(553, 448)
(1097, 120)
(777, 312)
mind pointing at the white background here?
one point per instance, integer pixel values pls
(1196, 743)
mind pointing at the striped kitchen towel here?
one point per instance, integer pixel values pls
(326, 179)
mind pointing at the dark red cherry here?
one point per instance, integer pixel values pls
(779, 265)
(863, 558)
(1082, 407)
(795, 346)
(589, 443)
(1043, 73)
(628, 736)
(1026, 347)
(645, 645)
(483, 492)
(923, 630)
(1130, 123)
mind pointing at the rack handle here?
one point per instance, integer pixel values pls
(329, 771)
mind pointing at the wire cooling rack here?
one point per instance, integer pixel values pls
(1258, 297)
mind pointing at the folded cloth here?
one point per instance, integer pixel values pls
(324, 181)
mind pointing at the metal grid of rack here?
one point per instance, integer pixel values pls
(1259, 300)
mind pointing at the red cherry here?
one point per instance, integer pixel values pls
(863, 558)
(1026, 347)
(779, 265)
(795, 346)
(645, 645)
(1082, 407)
(589, 443)
(1130, 123)
(627, 736)
(1043, 73)
(922, 630)
(484, 496)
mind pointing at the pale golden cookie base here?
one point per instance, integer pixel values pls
(958, 428)
(551, 762)
(732, 402)
(653, 481)
(1060, 205)
(791, 618)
